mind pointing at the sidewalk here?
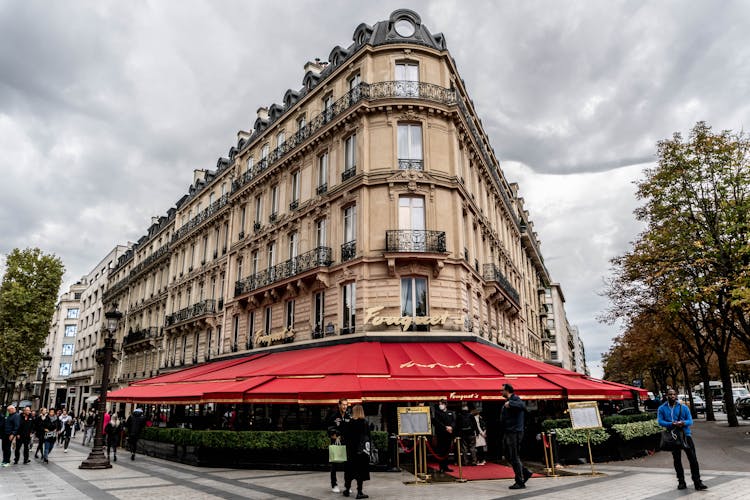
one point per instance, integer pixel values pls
(148, 478)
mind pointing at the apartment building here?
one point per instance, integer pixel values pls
(369, 201)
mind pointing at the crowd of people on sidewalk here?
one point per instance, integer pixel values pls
(20, 429)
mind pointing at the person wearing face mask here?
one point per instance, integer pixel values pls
(445, 422)
(675, 416)
(336, 420)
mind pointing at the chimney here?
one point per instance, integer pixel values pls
(316, 67)
(199, 175)
(263, 113)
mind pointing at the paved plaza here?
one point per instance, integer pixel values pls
(724, 454)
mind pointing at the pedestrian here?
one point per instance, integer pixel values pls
(481, 441)
(512, 418)
(335, 420)
(66, 431)
(112, 433)
(51, 428)
(358, 450)
(468, 430)
(10, 431)
(39, 429)
(23, 439)
(88, 432)
(445, 422)
(64, 419)
(675, 416)
(134, 425)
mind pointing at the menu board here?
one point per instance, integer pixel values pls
(584, 415)
(414, 421)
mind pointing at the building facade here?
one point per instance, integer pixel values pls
(80, 384)
(368, 201)
(61, 343)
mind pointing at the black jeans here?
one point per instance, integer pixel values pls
(6, 449)
(19, 443)
(512, 452)
(695, 472)
(443, 449)
(334, 468)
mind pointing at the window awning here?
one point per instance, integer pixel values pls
(370, 370)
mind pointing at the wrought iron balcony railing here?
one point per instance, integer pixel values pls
(362, 92)
(317, 257)
(492, 273)
(322, 189)
(409, 164)
(348, 250)
(203, 216)
(138, 335)
(412, 240)
(348, 173)
(192, 312)
(294, 205)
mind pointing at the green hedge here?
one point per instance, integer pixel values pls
(607, 422)
(566, 436)
(251, 440)
(633, 430)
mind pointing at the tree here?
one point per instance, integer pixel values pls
(691, 260)
(28, 295)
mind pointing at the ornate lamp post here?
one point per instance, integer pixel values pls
(46, 363)
(97, 459)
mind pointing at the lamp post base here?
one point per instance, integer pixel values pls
(96, 460)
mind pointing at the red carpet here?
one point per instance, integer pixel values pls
(481, 472)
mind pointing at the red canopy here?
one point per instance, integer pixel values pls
(370, 370)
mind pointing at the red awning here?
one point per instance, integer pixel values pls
(370, 371)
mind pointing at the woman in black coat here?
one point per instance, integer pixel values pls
(112, 433)
(358, 446)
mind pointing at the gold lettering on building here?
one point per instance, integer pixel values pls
(405, 322)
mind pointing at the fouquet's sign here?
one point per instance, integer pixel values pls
(372, 316)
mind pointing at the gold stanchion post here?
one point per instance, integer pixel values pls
(551, 454)
(460, 468)
(591, 456)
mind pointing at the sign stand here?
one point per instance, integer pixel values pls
(414, 421)
(585, 415)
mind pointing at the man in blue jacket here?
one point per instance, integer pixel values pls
(10, 431)
(675, 416)
(512, 418)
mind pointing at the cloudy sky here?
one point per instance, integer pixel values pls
(106, 107)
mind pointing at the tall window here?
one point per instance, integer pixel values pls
(280, 139)
(226, 236)
(209, 340)
(271, 254)
(319, 314)
(196, 341)
(267, 321)
(350, 153)
(411, 212)
(211, 195)
(274, 200)
(354, 90)
(320, 233)
(205, 249)
(323, 173)
(293, 244)
(250, 164)
(65, 369)
(243, 216)
(67, 349)
(295, 186)
(328, 107)
(250, 329)
(223, 188)
(414, 301)
(407, 76)
(350, 223)
(410, 146)
(301, 123)
(71, 330)
(236, 332)
(184, 349)
(264, 151)
(73, 313)
(289, 323)
(239, 268)
(258, 209)
(349, 300)
(255, 259)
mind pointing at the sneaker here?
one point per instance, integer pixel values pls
(26, 462)
(517, 486)
(362, 495)
(681, 485)
(65, 450)
(700, 486)
(6, 464)
(347, 492)
(482, 463)
(336, 489)
(132, 457)
(115, 458)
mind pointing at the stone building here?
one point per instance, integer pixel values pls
(368, 201)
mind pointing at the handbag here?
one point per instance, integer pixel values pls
(672, 440)
(50, 435)
(337, 452)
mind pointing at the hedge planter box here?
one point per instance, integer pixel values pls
(638, 447)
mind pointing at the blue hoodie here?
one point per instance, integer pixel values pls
(668, 414)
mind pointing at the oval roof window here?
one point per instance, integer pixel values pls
(404, 27)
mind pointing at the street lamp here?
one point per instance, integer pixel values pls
(97, 459)
(46, 363)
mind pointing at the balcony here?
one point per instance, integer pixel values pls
(410, 164)
(294, 205)
(195, 311)
(140, 339)
(415, 245)
(273, 217)
(319, 257)
(348, 250)
(200, 218)
(256, 226)
(348, 173)
(322, 189)
(364, 92)
(505, 291)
